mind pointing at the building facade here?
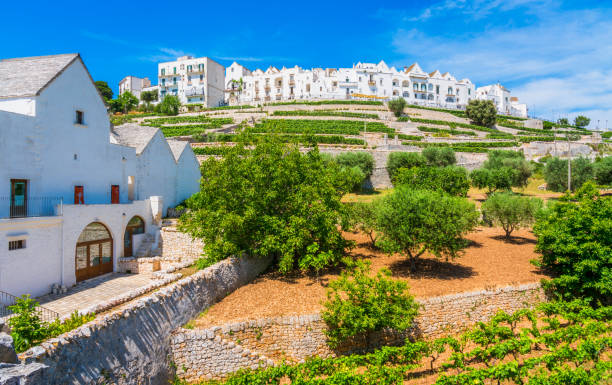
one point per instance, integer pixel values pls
(193, 80)
(500, 96)
(134, 85)
(362, 81)
(77, 193)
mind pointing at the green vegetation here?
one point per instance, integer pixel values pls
(452, 180)
(358, 304)
(502, 171)
(169, 105)
(575, 239)
(555, 173)
(363, 160)
(104, 89)
(412, 222)
(125, 103)
(397, 106)
(270, 201)
(452, 125)
(398, 160)
(458, 113)
(465, 146)
(194, 129)
(159, 122)
(326, 113)
(500, 135)
(439, 156)
(362, 217)
(409, 137)
(212, 150)
(304, 126)
(28, 330)
(510, 211)
(450, 131)
(581, 121)
(322, 102)
(481, 112)
(603, 171)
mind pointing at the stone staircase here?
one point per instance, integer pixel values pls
(145, 249)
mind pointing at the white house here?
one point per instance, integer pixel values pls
(193, 80)
(134, 85)
(500, 96)
(362, 81)
(75, 192)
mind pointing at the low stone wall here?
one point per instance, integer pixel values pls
(214, 352)
(178, 245)
(131, 345)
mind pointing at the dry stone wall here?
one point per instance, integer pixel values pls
(217, 351)
(174, 244)
(131, 345)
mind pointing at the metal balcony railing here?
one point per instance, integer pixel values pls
(6, 300)
(17, 207)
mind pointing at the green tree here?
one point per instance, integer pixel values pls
(481, 112)
(493, 180)
(359, 304)
(170, 105)
(511, 211)
(149, 96)
(363, 160)
(555, 173)
(397, 106)
(104, 89)
(452, 180)
(581, 121)
(514, 160)
(603, 171)
(415, 221)
(269, 201)
(128, 101)
(363, 218)
(575, 239)
(563, 121)
(399, 160)
(439, 156)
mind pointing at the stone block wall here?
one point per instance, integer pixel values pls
(131, 345)
(295, 338)
(178, 245)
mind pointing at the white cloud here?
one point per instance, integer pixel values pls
(562, 61)
(240, 58)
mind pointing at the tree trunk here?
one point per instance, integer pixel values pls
(412, 264)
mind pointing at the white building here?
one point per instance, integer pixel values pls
(363, 81)
(134, 85)
(500, 96)
(79, 194)
(193, 80)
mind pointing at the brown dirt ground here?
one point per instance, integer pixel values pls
(488, 262)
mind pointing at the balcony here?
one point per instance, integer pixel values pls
(291, 82)
(16, 207)
(372, 84)
(267, 87)
(350, 84)
(166, 75)
(194, 92)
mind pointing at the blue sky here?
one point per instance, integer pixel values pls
(555, 55)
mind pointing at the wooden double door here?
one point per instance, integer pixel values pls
(94, 252)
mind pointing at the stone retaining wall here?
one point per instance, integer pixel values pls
(178, 245)
(131, 345)
(294, 338)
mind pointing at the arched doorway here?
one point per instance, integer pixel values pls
(94, 252)
(135, 226)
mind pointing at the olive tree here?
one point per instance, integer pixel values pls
(452, 180)
(439, 156)
(481, 112)
(397, 106)
(603, 171)
(511, 211)
(412, 222)
(359, 304)
(399, 160)
(555, 173)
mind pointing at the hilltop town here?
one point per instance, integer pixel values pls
(366, 224)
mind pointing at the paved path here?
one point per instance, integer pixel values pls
(93, 291)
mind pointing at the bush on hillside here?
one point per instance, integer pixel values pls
(170, 105)
(359, 304)
(575, 239)
(481, 112)
(493, 179)
(514, 160)
(510, 211)
(363, 160)
(399, 160)
(452, 180)
(363, 217)
(269, 201)
(412, 222)
(439, 156)
(555, 173)
(603, 171)
(397, 106)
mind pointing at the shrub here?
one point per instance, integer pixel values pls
(363, 218)
(443, 131)
(359, 304)
(397, 106)
(514, 160)
(439, 156)
(452, 125)
(493, 179)
(575, 239)
(603, 171)
(510, 211)
(581, 121)
(305, 126)
(481, 112)
(363, 160)
(555, 173)
(414, 221)
(169, 105)
(452, 180)
(326, 113)
(399, 160)
(270, 201)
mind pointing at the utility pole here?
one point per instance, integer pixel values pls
(569, 164)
